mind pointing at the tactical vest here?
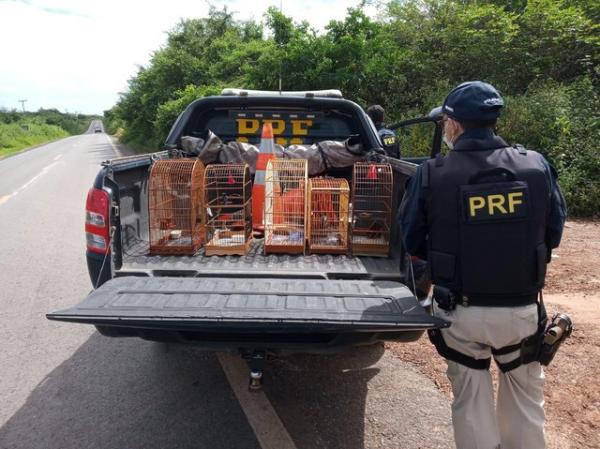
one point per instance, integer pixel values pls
(487, 213)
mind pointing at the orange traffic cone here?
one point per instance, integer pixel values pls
(266, 152)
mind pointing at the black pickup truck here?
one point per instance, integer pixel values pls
(268, 303)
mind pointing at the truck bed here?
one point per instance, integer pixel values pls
(138, 261)
(256, 303)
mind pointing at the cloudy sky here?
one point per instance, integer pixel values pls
(77, 55)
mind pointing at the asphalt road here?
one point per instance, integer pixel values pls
(65, 386)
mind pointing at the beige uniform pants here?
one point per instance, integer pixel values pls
(517, 420)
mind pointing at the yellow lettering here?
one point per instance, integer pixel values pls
(278, 125)
(475, 202)
(496, 202)
(247, 126)
(513, 201)
(300, 127)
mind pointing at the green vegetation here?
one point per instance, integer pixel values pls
(541, 54)
(15, 137)
(19, 130)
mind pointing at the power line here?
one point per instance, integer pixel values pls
(23, 104)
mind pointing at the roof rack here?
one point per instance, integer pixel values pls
(330, 93)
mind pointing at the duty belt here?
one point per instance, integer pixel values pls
(529, 348)
(493, 301)
(448, 299)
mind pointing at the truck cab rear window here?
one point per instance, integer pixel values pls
(289, 127)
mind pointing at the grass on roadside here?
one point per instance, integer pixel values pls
(17, 136)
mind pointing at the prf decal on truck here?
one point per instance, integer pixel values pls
(288, 128)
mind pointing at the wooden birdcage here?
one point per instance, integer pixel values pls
(286, 183)
(175, 209)
(228, 202)
(372, 187)
(328, 215)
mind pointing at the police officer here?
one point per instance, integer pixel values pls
(387, 136)
(486, 216)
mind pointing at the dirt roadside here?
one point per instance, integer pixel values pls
(573, 380)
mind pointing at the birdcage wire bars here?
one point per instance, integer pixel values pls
(286, 183)
(372, 187)
(328, 215)
(228, 202)
(176, 215)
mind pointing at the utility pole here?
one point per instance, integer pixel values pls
(23, 104)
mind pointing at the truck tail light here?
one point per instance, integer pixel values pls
(96, 221)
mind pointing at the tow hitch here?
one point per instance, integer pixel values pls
(257, 364)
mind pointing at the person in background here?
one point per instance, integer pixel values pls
(486, 216)
(387, 136)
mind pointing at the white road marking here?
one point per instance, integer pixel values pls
(45, 170)
(267, 426)
(117, 152)
(58, 157)
(36, 177)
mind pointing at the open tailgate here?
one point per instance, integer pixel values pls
(275, 305)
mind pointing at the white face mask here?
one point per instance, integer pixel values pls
(445, 137)
(447, 141)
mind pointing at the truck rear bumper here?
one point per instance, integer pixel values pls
(278, 343)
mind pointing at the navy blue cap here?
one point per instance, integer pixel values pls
(473, 101)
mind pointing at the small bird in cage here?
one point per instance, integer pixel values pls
(329, 212)
(285, 206)
(229, 208)
(372, 186)
(176, 216)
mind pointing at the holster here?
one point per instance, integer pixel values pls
(529, 348)
(537, 347)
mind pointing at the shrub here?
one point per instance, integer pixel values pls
(563, 123)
